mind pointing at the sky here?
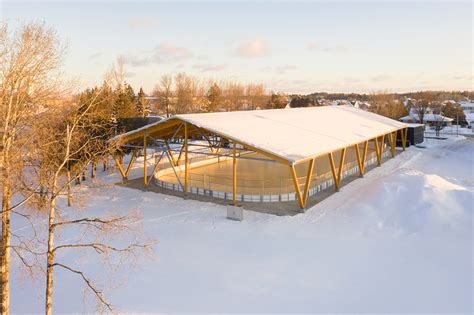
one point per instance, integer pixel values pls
(293, 47)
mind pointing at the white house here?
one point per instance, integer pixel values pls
(429, 118)
(468, 108)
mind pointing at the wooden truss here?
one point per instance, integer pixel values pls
(182, 129)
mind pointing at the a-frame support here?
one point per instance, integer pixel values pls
(393, 139)
(378, 150)
(337, 176)
(170, 153)
(361, 160)
(404, 132)
(155, 168)
(129, 167)
(303, 198)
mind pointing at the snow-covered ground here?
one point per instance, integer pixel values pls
(453, 130)
(399, 240)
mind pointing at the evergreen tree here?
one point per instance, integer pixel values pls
(142, 104)
(124, 106)
(276, 101)
(214, 98)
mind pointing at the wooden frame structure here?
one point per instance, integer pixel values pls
(174, 128)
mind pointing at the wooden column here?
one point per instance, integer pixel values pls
(337, 176)
(377, 150)
(186, 170)
(393, 139)
(234, 175)
(309, 176)
(341, 167)
(297, 187)
(333, 170)
(361, 159)
(145, 179)
(404, 132)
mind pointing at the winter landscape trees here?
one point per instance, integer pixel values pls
(47, 134)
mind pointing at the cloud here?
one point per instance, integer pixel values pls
(327, 48)
(209, 67)
(94, 56)
(380, 77)
(284, 69)
(162, 53)
(142, 22)
(253, 49)
(171, 52)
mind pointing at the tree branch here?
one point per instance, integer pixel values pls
(88, 282)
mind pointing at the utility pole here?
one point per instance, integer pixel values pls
(457, 125)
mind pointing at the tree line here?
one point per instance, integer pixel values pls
(183, 93)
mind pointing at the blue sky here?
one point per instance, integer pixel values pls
(297, 47)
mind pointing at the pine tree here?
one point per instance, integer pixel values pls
(276, 101)
(124, 106)
(142, 104)
(214, 98)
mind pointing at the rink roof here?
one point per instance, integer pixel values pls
(288, 135)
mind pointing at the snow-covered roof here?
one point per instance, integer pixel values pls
(293, 134)
(426, 117)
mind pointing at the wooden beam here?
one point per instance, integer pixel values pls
(170, 153)
(211, 147)
(180, 154)
(119, 165)
(145, 178)
(132, 159)
(359, 160)
(234, 175)
(219, 146)
(155, 168)
(333, 170)
(364, 155)
(341, 166)
(404, 132)
(381, 147)
(377, 150)
(392, 138)
(309, 176)
(136, 135)
(186, 168)
(297, 187)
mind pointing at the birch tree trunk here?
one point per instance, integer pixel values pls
(5, 250)
(5, 241)
(50, 255)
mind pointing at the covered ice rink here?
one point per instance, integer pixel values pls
(262, 156)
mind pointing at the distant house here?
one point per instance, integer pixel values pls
(361, 105)
(468, 108)
(429, 119)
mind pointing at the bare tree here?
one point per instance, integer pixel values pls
(72, 135)
(387, 105)
(166, 83)
(257, 96)
(233, 96)
(116, 74)
(29, 60)
(184, 85)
